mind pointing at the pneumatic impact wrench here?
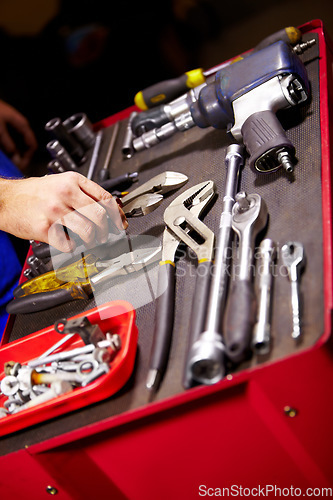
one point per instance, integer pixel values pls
(243, 99)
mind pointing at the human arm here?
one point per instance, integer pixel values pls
(10, 116)
(38, 208)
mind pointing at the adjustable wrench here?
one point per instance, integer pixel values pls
(181, 219)
(249, 217)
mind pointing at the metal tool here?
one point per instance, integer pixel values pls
(182, 224)
(55, 167)
(78, 280)
(119, 181)
(81, 128)
(243, 99)
(103, 173)
(205, 361)
(167, 90)
(127, 147)
(95, 153)
(141, 205)
(147, 197)
(249, 217)
(293, 257)
(58, 131)
(58, 152)
(160, 184)
(262, 329)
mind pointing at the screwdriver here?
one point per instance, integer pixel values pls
(167, 90)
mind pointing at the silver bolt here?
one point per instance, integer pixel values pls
(9, 385)
(242, 201)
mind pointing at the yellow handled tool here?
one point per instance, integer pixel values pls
(79, 270)
(167, 90)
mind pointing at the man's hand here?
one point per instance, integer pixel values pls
(38, 208)
(10, 116)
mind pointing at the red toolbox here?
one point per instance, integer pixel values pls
(265, 429)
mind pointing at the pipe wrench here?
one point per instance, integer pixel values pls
(182, 225)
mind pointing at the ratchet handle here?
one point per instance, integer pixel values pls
(164, 316)
(239, 320)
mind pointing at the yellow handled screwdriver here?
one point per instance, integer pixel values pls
(167, 90)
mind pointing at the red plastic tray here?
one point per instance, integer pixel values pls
(116, 317)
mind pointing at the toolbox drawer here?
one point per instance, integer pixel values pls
(139, 448)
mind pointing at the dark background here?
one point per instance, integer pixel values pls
(65, 56)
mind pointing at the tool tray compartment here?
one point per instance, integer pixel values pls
(248, 409)
(115, 317)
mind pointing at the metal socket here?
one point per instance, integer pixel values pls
(81, 128)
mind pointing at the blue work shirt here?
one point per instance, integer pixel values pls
(10, 266)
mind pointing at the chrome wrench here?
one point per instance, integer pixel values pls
(205, 362)
(249, 217)
(293, 258)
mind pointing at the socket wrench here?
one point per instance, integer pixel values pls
(205, 360)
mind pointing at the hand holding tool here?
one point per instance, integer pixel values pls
(77, 281)
(205, 360)
(167, 90)
(181, 219)
(293, 258)
(249, 217)
(262, 329)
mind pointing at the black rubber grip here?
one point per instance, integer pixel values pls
(148, 120)
(103, 175)
(40, 301)
(42, 251)
(165, 91)
(200, 299)
(240, 318)
(263, 135)
(115, 182)
(164, 317)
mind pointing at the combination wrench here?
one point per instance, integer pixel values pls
(249, 217)
(293, 258)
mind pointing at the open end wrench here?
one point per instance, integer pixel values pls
(249, 217)
(293, 258)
